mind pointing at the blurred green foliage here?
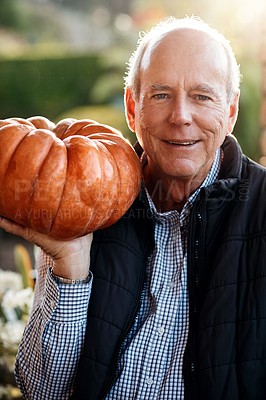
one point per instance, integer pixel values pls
(11, 14)
(248, 129)
(47, 86)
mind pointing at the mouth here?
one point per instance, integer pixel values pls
(183, 144)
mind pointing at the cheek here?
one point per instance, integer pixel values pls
(147, 116)
(145, 124)
(214, 123)
(221, 117)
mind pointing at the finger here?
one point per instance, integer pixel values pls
(12, 227)
(27, 233)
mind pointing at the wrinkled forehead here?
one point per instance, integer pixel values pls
(185, 43)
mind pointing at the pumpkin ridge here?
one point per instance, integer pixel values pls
(126, 155)
(15, 150)
(75, 128)
(62, 192)
(38, 173)
(37, 132)
(85, 230)
(12, 156)
(119, 175)
(40, 178)
(101, 180)
(101, 155)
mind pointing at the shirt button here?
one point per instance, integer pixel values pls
(160, 331)
(172, 285)
(149, 381)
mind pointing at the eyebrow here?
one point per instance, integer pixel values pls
(205, 88)
(159, 86)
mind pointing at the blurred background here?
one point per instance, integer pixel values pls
(67, 58)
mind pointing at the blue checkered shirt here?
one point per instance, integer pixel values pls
(151, 358)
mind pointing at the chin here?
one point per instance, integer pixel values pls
(184, 170)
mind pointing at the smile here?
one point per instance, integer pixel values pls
(182, 143)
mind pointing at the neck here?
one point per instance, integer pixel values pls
(170, 193)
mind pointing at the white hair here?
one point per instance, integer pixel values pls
(163, 28)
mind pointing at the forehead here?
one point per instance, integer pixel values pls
(189, 52)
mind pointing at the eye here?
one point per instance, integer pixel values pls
(202, 97)
(160, 96)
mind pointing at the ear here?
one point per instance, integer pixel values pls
(233, 112)
(130, 109)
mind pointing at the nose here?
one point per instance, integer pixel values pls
(180, 112)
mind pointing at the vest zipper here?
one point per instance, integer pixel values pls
(194, 259)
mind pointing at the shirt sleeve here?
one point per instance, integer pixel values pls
(53, 340)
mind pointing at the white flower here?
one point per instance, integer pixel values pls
(21, 299)
(17, 302)
(11, 333)
(10, 281)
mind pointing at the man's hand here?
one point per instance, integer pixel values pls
(71, 258)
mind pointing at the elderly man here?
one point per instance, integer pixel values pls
(174, 304)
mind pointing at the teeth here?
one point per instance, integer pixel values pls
(182, 144)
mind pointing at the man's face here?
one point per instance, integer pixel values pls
(182, 114)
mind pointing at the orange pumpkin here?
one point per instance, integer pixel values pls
(65, 180)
